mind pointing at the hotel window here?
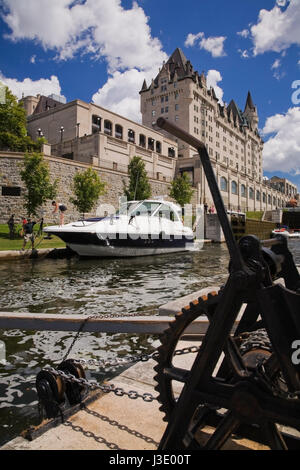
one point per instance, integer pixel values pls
(162, 110)
(158, 147)
(171, 152)
(96, 124)
(162, 99)
(142, 140)
(150, 143)
(223, 184)
(166, 109)
(176, 118)
(251, 193)
(234, 187)
(153, 113)
(119, 131)
(176, 107)
(243, 190)
(264, 197)
(107, 127)
(257, 195)
(131, 135)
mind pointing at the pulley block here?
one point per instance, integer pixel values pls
(74, 392)
(51, 392)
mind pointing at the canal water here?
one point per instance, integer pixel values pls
(110, 286)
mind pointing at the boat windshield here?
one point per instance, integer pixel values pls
(127, 208)
(145, 208)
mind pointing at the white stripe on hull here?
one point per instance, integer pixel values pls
(112, 251)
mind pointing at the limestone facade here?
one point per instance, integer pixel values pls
(86, 132)
(181, 95)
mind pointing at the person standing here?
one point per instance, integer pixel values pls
(62, 209)
(11, 226)
(28, 233)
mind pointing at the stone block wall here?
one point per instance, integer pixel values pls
(64, 171)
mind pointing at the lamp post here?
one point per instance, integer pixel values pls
(61, 133)
(39, 132)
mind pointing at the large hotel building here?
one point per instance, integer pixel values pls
(181, 95)
(86, 132)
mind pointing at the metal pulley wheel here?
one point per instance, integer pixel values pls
(74, 392)
(51, 392)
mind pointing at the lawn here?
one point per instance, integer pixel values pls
(17, 243)
(254, 215)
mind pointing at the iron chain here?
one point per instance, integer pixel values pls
(118, 391)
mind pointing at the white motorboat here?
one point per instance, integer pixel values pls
(287, 233)
(138, 228)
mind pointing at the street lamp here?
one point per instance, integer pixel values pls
(39, 131)
(61, 133)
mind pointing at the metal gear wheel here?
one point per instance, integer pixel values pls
(170, 376)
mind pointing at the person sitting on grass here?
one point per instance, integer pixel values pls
(61, 208)
(28, 234)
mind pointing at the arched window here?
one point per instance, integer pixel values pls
(269, 199)
(96, 124)
(258, 195)
(264, 197)
(223, 184)
(171, 152)
(243, 190)
(142, 140)
(107, 127)
(150, 143)
(119, 131)
(234, 187)
(251, 193)
(158, 147)
(131, 135)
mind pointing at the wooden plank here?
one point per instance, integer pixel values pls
(56, 322)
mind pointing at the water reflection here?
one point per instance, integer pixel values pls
(114, 287)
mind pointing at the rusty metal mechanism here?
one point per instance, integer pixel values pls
(54, 394)
(244, 384)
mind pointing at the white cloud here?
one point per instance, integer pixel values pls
(244, 33)
(212, 79)
(120, 93)
(43, 86)
(104, 30)
(244, 53)
(192, 38)
(277, 29)
(212, 44)
(282, 150)
(276, 64)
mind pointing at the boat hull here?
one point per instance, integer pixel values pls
(122, 245)
(124, 252)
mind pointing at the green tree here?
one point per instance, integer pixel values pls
(13, 133)
(87, 188)
(139, 187)
(36, 177)
(181, 189)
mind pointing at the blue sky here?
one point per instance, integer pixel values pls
(101, 50)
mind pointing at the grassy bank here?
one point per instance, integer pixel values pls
(17, 243)
(257, 215)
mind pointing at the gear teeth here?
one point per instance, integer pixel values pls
(169, 339)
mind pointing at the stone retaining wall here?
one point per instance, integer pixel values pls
(64, 170)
